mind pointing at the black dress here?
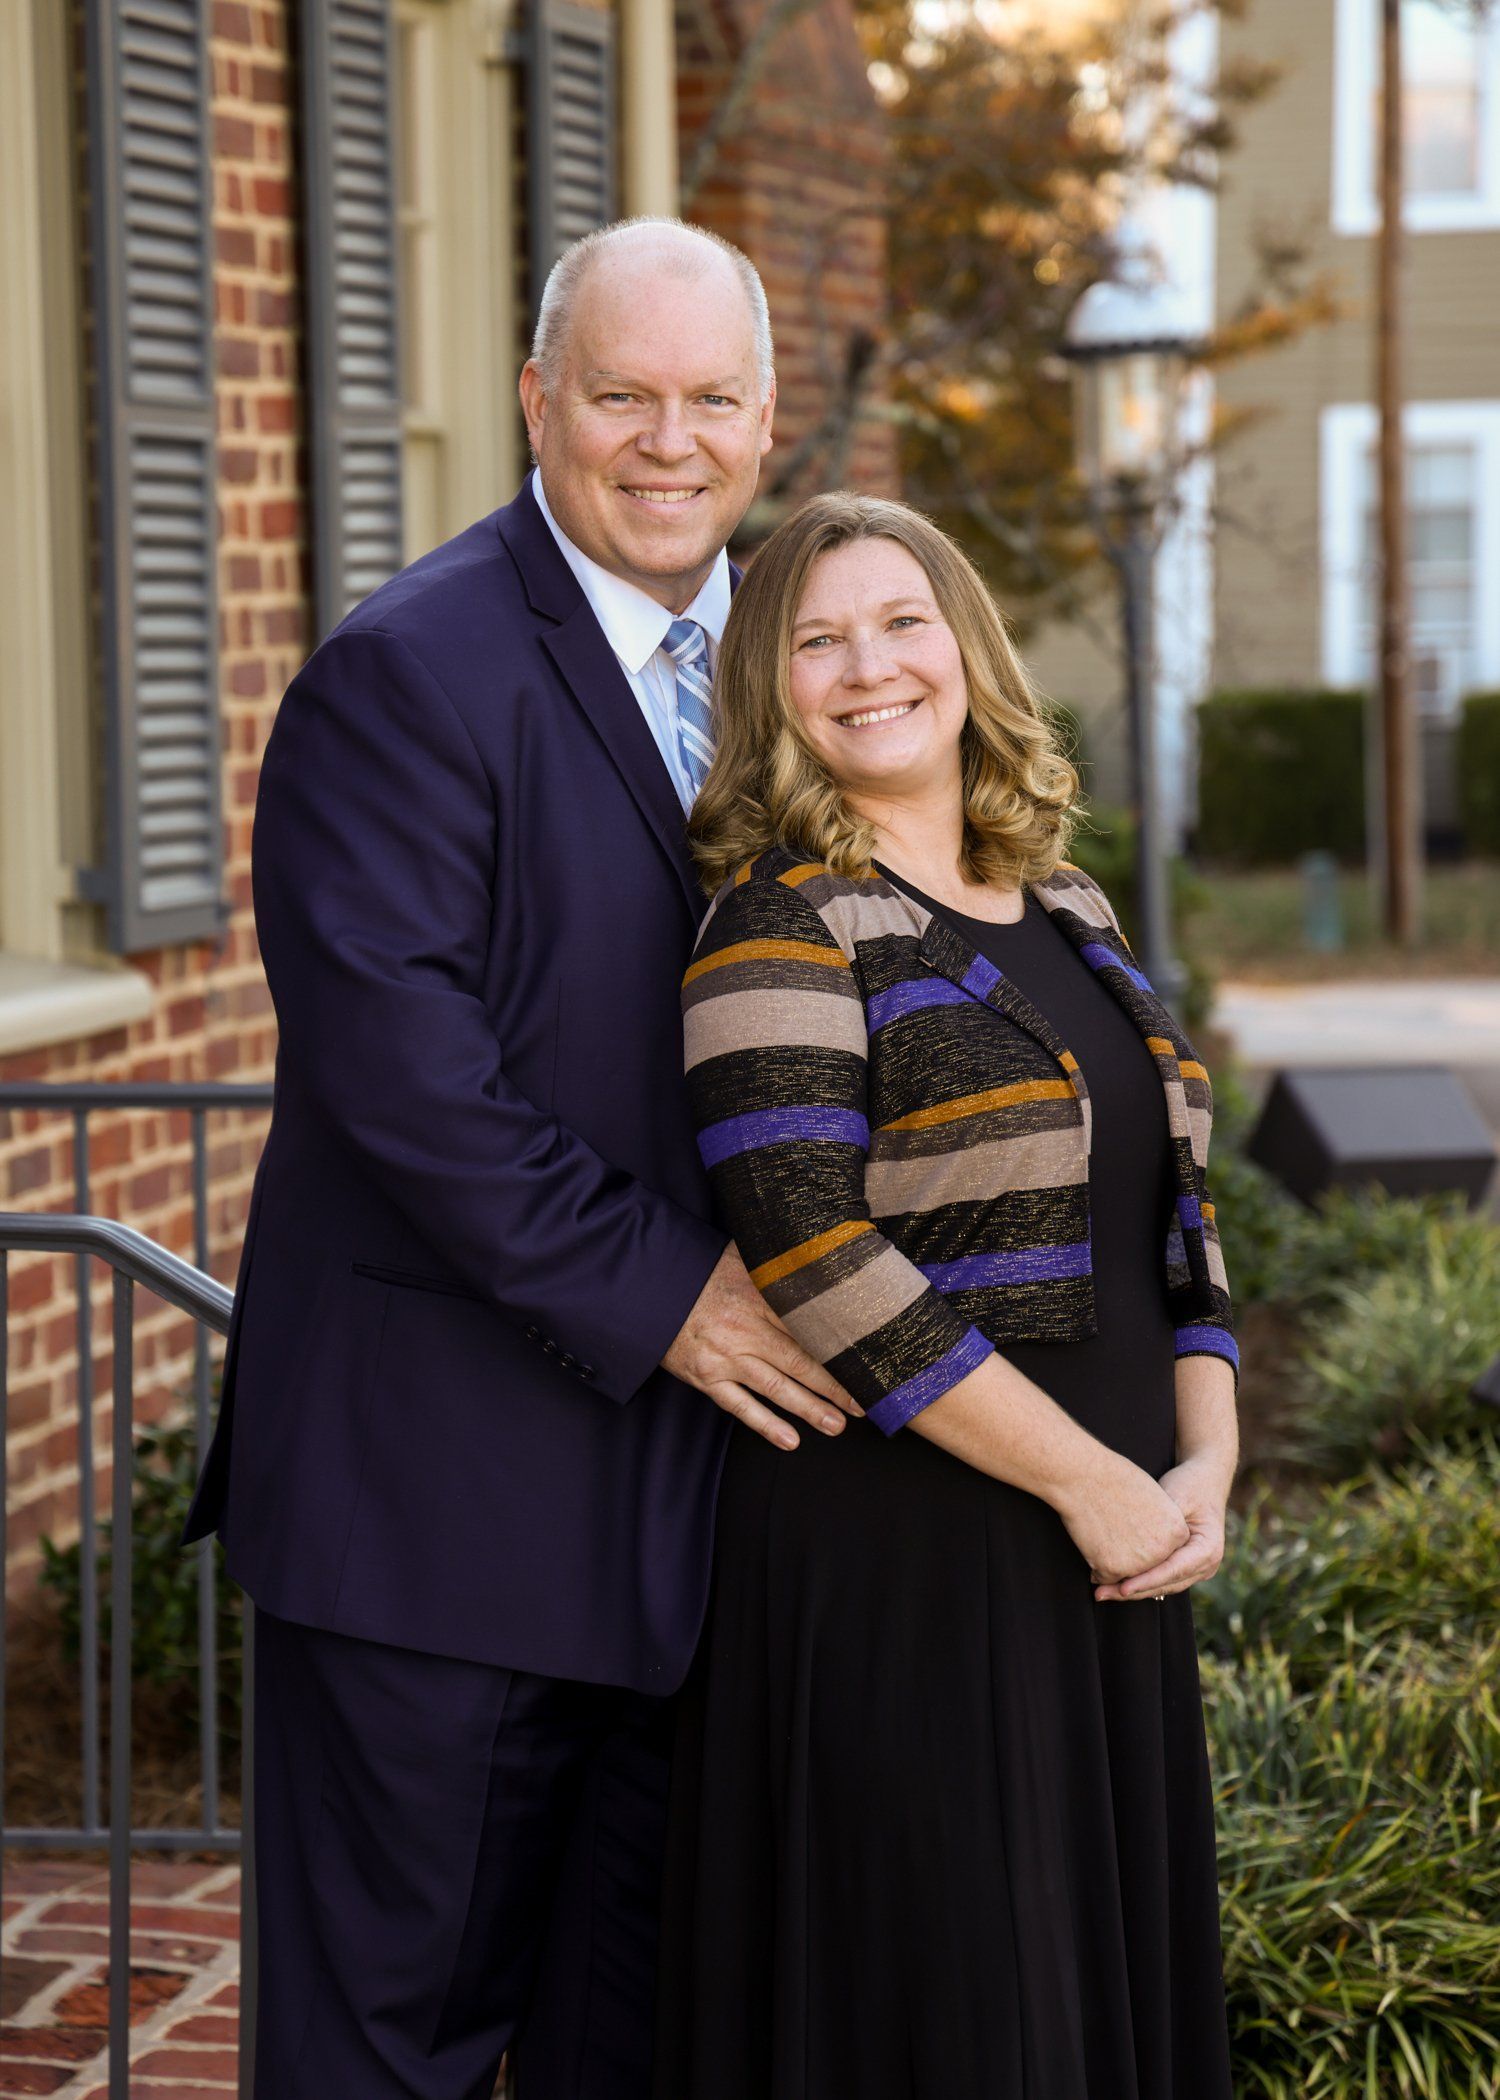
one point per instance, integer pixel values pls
(941, 1825)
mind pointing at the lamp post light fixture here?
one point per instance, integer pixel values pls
(1128, 340)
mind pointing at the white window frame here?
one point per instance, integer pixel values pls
(461, 451)
(1348, 430)
(50, 989)
(1356, 75)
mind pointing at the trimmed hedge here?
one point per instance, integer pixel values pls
(1280, 774)
(1479, 773)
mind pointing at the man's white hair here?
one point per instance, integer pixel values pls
(686, 255)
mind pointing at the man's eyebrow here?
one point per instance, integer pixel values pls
(701, 386)
(823, 620)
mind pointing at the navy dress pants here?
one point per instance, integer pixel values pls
(452, 1860)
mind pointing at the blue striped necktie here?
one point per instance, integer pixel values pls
(687, 646)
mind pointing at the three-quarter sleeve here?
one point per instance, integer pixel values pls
(776, 1063)
(1210, 1332)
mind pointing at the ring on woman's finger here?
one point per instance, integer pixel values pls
(1159, 1596)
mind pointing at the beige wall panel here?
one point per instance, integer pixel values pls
(1277, 185)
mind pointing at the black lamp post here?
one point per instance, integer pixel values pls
(1128, 342)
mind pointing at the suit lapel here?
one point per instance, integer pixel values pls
(600, 687)
(590, 669)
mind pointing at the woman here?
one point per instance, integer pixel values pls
(941, 1824)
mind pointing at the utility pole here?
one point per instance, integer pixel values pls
(1401, 753)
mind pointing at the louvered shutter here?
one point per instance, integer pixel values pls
(351, 301)
(151, 233)
(570, 129)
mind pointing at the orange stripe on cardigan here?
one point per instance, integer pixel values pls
(979, 1104)
(810, 1251)
(1189, 1067)
(762, 950)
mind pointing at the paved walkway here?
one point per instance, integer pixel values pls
(1449, 1021)
(184, 1962)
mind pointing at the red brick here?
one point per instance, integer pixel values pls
(234, 138)
(32, 1170)
(279, 520)
(61, 2045)
(276, 412)
(87, 2004)
(190, 2063)
(33, 2078)
(235, 246)
(239, 356)
(207, 2027)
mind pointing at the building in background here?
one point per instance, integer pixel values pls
(267, 273)
(1280, 588)
(1297, 567)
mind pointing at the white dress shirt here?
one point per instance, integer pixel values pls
(635, 627)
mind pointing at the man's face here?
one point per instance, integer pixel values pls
(651, 444)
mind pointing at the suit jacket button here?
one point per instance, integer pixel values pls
(585, 1370)
(550, 1346)
(568, 1362)
(533, 1334)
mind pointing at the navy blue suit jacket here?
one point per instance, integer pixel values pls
(480, 1218)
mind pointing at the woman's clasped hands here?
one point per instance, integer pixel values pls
(1147, 1538)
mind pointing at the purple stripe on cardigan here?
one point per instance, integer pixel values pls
(1203, 1340)
(1189, 1215)
(976, 1272)
(904, 1401)
(981, 977)
(781, 1126)
(1101, 958)
(909, 998)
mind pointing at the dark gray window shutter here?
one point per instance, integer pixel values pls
(354, 371)
(570, 127)
(151, 235)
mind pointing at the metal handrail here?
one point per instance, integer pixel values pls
(126, 1250)
(135, 1260)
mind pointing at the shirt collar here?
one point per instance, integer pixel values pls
(635, 625)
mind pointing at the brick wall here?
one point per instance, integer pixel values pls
(211, 1017)
(798, 182)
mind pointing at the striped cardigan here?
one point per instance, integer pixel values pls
(899, 1140)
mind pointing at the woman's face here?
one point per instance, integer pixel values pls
(875, 673)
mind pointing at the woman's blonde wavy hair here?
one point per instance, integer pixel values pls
(768, 787)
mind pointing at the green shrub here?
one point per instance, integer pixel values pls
(1360, 1875)
(1353, 1235)
(164, 1582)
(1280, 774)
(1479, 773)
(1393, 1361)
(1350, 1666)
(1409, 1555)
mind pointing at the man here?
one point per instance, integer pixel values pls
(486, 1334)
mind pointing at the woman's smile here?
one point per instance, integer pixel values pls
(872, 717)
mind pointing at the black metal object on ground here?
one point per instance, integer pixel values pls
(1411, 1130)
